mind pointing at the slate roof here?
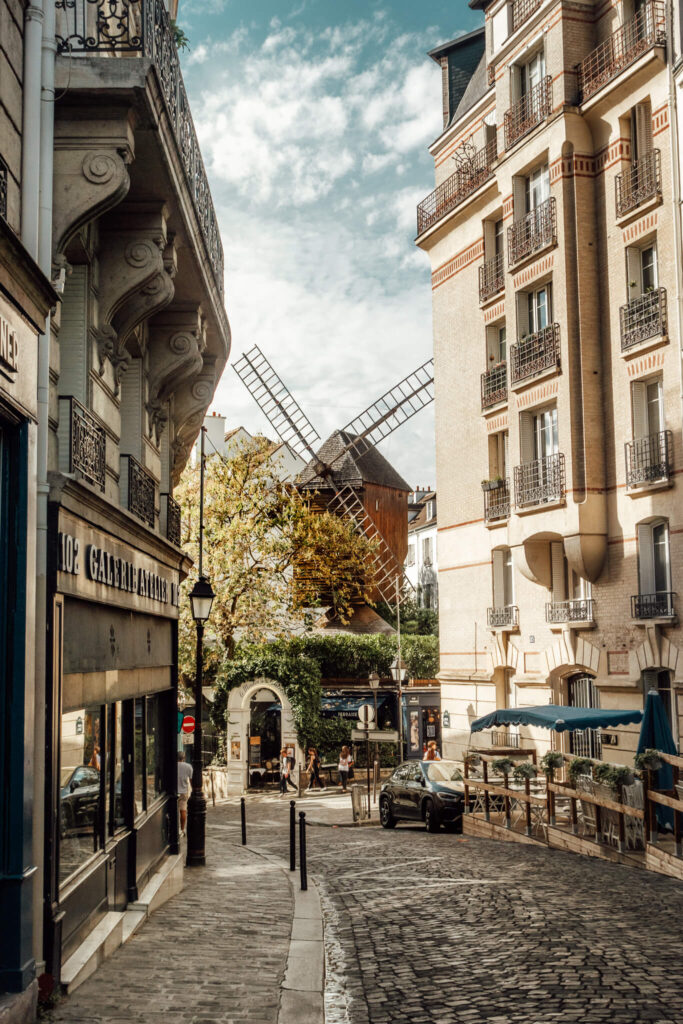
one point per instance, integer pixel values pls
(354, 469)
(419, 518)
(477, 87)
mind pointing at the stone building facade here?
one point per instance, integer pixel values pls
(552, 243)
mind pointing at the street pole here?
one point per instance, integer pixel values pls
(367, 745)
(399, 673)
(196, 805)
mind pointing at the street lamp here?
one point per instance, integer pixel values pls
(373, 680)
(201, 599)
(399, 673)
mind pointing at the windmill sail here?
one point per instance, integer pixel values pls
(276, 402)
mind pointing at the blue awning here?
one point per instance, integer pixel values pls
(346, 705)
(557, 717)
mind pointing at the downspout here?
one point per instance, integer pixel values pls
(30, 142)
(46, 164)
(676, 182)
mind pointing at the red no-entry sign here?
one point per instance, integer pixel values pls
(188, 724)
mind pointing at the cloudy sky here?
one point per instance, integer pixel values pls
(314, 118)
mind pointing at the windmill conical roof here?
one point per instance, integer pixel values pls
(352, 468)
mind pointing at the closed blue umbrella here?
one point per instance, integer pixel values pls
(655, 734)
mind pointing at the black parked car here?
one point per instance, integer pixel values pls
(80, 793)
(429, 791)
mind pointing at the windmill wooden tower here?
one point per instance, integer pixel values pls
(347, 474)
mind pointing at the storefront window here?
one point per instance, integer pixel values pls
(80, 788)
(154, 759)
(117, 718)
(139, 786)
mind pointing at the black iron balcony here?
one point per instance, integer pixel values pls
(540, 482)
(641, 182)
(643, 318)
(3, 189)
(83, 441)
(130, 28)
(140, 491)
(521, 10)
(533, 232)
(653, 606)
(622, 48)
(494, 386)
(172, 509)
(491, 277)
(535, 354)
(497, 502)
(576, 610)
(473, 170)
(500, 618)
(528, 111)
(648, 459)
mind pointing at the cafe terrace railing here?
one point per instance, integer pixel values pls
(130, 28)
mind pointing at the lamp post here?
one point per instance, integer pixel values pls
(201, 599)
(399, 672)
(373, 680)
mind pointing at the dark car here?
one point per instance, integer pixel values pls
(428, 791)
(80, 793)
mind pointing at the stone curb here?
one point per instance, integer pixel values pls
(302, 994)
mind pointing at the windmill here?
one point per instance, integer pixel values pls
(358, 438)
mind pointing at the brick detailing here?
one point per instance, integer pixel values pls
(641, 227)
(457, 526)
(496, 423)
(542, 266)
(646, 364)
(507, 207)
(494, 312)
(538, 394)
(465, 565)
(660, 120)
(457, 263)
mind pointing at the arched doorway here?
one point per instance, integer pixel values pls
(260, 723)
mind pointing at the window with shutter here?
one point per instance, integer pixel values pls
(523, 325)
(646, 569)
(519, 205)
(633, 273)
(73, 336)
(648, 268)
(559, 571)
(641, 130)
(508, 591)
(499, 578)
(526, 437)
(131, 410)
(639, 408)
(660, 558)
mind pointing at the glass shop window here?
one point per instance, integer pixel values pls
(117, 766)
(139, 757)
(154, 752)
(80, 789)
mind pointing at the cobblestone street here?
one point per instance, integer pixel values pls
(430, 929)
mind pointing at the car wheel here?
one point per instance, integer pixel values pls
(386, 817)
(430, 816)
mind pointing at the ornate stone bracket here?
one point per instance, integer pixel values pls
(189, 408)
(177, 339)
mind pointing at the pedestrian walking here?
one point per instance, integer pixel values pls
(285, 772)
(432, 752)
(345, 767)
(184, 779)
(313, 768)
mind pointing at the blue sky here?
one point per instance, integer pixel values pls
(314, 118)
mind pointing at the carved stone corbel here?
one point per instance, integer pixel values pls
(90, 169)
(190, 403)
(177, 338)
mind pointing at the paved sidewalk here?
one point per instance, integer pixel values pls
(214, 954)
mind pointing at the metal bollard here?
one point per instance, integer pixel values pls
(243, 813)
(302, 850)
(292, 835)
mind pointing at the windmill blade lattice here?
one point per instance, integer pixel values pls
(385, 566)
(275, 400)
(394, 407)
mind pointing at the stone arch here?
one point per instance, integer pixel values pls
(239, 710)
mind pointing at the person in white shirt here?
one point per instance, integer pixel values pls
(184, 780)
(344, 767)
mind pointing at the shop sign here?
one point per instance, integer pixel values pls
(9, 349)
(93, 565)
(18, 358)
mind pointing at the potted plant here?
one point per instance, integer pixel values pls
(649, 759)
(503, 765)
(579, 766)
(524, 770)
(472, 760)
(612, 775)
(551, 761)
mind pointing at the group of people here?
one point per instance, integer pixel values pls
(344, 768)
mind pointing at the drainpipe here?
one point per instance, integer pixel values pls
(30, 143)
(47, 95)
(676, 181)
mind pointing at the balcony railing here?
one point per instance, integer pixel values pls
(491, 277)
(528, 111)
(576, 610)
(535, 354)
(641, 182)
(643, 318)
(541, 481)
(533, 232)
(494, 385)
(83, 441)
(508, 615)
(140, 491)
(497, 503)
(172, 510)
(653, 606)
(473, 171)
(648, 459)
(622, 48)
(141, 27)
(521, 10)
(3, 189)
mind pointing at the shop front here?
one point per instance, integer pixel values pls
(421, 720)
(113, 714)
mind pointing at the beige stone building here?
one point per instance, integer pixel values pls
(551, 235)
